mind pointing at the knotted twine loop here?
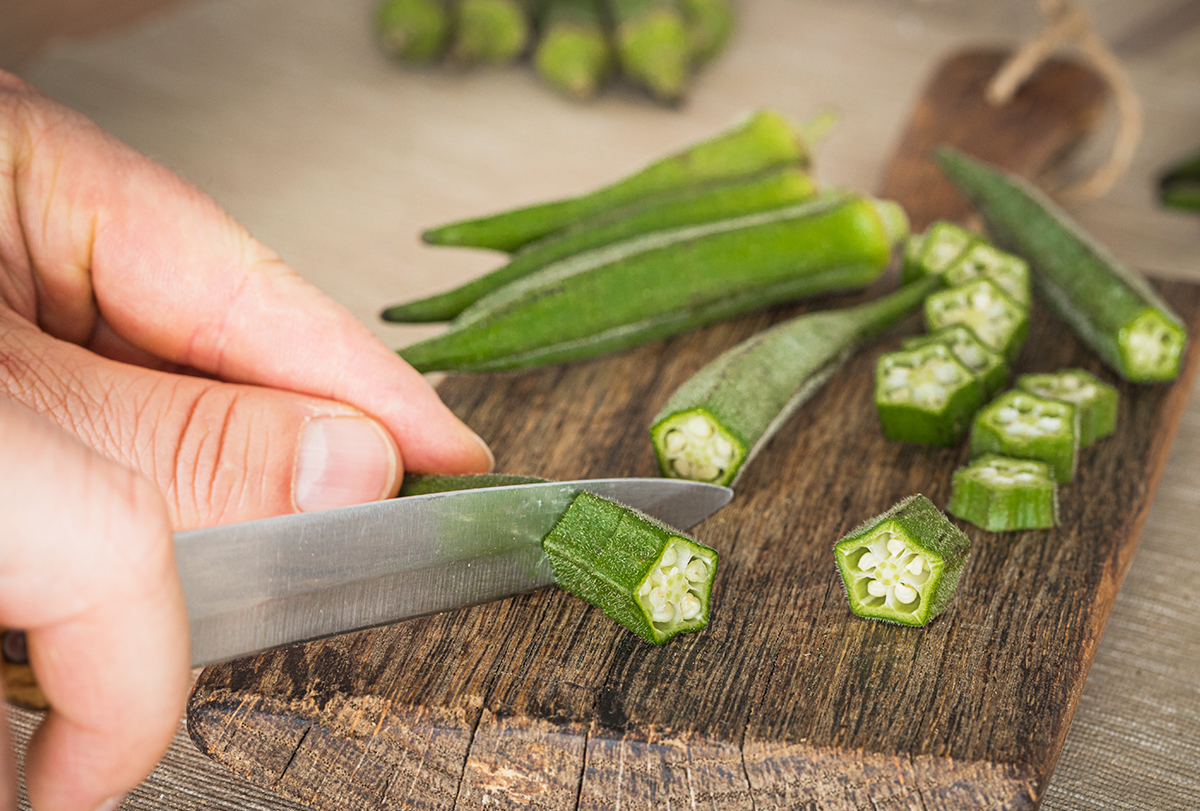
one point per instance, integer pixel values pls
(1066, 22)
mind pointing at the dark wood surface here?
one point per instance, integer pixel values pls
(786, 700)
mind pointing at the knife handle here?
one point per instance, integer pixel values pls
(20, 685)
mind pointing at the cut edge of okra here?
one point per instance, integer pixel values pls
(925, 395)
(902, 566)
(984, 260)
(1026, 426)
(1003, 494)
(982, 305)
(988, 365)
(936, 249)
(692, 445)
(1096, 401)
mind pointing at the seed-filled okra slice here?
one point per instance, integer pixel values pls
(903, 566)
(987, 364)
(925, 395)
(982, 260)
(1026, 426)
(999, 494)
(936, 249)
(645, 575)
(1095, 400)
(995, 318)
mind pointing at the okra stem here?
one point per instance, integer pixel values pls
(489, 31)
(709, 25)
(652, 45)
(716, 422)
(574, 54)
(677, 209)
(412, 30)
(764, 141)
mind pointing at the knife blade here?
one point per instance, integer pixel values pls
(258, 585)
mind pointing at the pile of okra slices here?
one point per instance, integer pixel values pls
(575, 45)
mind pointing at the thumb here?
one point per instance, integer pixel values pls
(219, 452)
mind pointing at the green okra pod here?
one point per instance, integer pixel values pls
(652, 45)
(982, 305)
(904, 565)
(1001, 494)
(650, 578)
(1179, 187)
(574, 54)
(1111, 307)
(1095, 399)
(987, 364)
(984, 261)
(675, 210)
(766, 140)
(491, 32)
(717, 421)
(685, 278)
(1025, 426)
(413, 31)
(709, 24)
(925, 395)
(936, 249)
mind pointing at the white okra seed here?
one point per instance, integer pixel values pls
(668, 558)
(696, 571)
(699, 427)
(918, 563)
(664, 612)
(689, 606)
(905, 594)
(896, 546)
(867, 561)
(657, 599)
(683, 468)
(876, 589)
(675, 441)
(723, 448)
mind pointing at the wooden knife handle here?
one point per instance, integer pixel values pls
(20, 685)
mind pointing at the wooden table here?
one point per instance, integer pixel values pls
(283, 111)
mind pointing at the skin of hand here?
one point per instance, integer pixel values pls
(159, 370)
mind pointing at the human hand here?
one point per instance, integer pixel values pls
(137, 316)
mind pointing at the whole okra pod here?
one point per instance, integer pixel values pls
(652, 45)
(1112, 308)
(766, 140)
(717, 421)
(674, 210)
(685, 278)
(573, 53)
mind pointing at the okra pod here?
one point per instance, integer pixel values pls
(573, 54)
(417, 484)
(1111, 307)
(686, 277)
(1026, 426)
(904, 565)
(1179, 187)
(936, 249)
(995, 318)
(489, 32)
(680, 208)
(652, 45)
(709, 24)
(1002, 494)
(984, 261)
(717, 421)
(650, 578)
(1095, 399)
(413, 30)
(987, 364)
(764, 141)
(925, 395)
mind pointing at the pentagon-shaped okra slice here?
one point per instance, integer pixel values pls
(1095, 399)
(693, 445)
(982, 260)
(936, 249)
(988, 365)
(1026, 426)
(983, 306)
(652, 579)
(902, 566)
(999, 494)
(925, 395)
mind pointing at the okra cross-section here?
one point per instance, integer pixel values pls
(1095, 400)
(1026, 426)
(902, 566)
(693, 445)
(645, 575)
(987, 364)
(981, 260)
(925, 395)
(936, 249)
(999, 321)
(999, 494)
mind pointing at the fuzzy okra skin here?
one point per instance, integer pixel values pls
(418, 484)
(981, 260)
(413, 31)
(1111, 307)
(674, 210)
(650, 578)
(925, 395)
(936, 249)
(573, 54)
(491, 32)
(684, 278)
(1095, 399)
(766, 140)
(1026, 426)
(982, 305)
(652, 45)
(987, 364)
(904, 565)
(1002, 494)
(718, 420)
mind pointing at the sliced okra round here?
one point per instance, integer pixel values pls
(1095, 400)
(982, 260)
(983, 306)
(936, 250)
(1026, 426)
(902, 566)
(693, 445)
(650, 578)
(999, 494)
(925, 395)
(987, 364)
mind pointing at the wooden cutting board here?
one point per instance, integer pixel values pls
(786, 700)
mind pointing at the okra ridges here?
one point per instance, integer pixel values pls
(693, 445)
(1151, 347)
(887, 573)
(676, 589)
(1095, 400)
(1001, 494)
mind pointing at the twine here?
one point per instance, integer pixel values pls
(1066, 22)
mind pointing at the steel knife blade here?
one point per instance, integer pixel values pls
(262, 584)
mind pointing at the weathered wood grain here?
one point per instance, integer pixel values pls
(786, 700)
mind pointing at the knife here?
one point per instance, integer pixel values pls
(263, 584)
